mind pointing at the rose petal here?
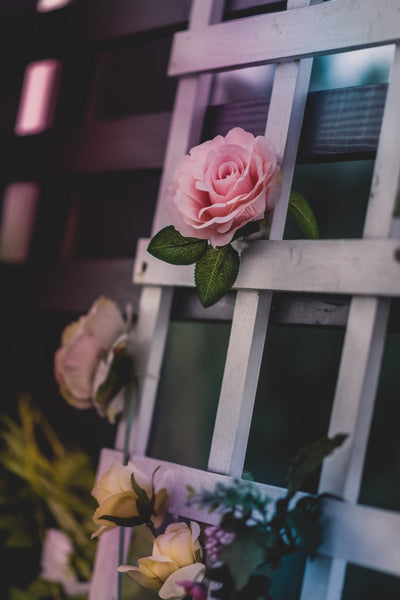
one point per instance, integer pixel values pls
(147, 582)
(76, 365)
(121, 505)
(172, 588)
(161, 567)
(104, 321)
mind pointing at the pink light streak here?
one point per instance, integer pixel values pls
(35, 111)
(46, 5)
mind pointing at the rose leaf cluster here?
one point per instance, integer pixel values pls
(94, 363)
(223, 190)
(220, 188)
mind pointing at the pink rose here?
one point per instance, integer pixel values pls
(87, 347)
(221, 185)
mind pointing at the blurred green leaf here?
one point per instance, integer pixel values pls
(301, 213)
(244, 555)
(310, 458)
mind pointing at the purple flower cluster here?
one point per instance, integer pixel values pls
(216, 537)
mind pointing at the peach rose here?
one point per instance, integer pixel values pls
(175, 559)
(85, 356)
(222, 185)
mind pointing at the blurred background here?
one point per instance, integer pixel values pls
(76, 81)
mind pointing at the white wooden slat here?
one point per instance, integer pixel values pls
(108, 546)
(364, 267)
(334, 26)
(363, 345)
(359, 534)
(250, 319)
(186, 122)
(149, 343)
(155, 303)
(187, 116)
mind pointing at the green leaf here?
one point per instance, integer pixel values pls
(125, 521)
(396, 212)
(302, 215)
(143, 502)
(244, 555)
(170, 246)
(119, 374)
(216, 272)
(303, 520)
(246, 230)
(309, 459)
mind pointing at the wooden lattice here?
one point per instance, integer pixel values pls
(365, 269)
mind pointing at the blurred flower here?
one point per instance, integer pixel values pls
(175, 558)
(216, 537)
(94, 362)
(133, 501)
(195, 590)
(55, 563)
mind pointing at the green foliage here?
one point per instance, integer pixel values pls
(244, 555)
(217, 269)
(242, 496)
(43, 485)
(301, 213)
(170, 246)
(263, 537)
(215, 273)
(252, 227)
(309, 459)
(119, 375)
(304, 524)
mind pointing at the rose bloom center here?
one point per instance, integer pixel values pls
(227, 169)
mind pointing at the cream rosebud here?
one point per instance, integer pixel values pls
(117, 498)
(174, 559)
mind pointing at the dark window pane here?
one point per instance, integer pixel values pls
(133, 80)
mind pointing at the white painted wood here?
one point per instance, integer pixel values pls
(250, 319)
(359, 534)
(105, 574)
(155, 303)
(363, 345)
(364, 536)
(334, 26)
(363, 267)
(149, 343)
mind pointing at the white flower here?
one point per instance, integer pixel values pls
(56, 563)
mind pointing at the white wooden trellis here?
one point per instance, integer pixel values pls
(364, 268)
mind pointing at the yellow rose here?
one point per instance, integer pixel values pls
(117, 498)
(175, 559)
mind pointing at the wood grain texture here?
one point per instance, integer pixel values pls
(340, 124)
(252, 307)
(337, 25)
(363, 346)
(297, 266)
(346, 527)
